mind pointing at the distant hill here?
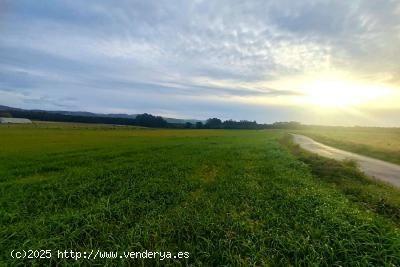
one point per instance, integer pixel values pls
(3, 108)
(146, 120)
(101, 115)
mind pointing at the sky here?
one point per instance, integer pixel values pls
(312, 61)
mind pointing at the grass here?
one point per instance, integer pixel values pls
(226, 197)
(381, 143)
(344, 176)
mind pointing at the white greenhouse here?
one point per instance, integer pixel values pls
(14, 120)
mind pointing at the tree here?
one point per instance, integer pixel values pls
(188, 125)
(199, 125)
(149, 120)
(213, 123)
(243, 124)
(5, 114)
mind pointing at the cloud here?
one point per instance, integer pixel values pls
(188, 51)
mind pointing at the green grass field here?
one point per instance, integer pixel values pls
(226, 197)
(381, 143)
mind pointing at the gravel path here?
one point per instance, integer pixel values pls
(379, 169)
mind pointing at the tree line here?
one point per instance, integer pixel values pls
(147, 120)
(215, 123)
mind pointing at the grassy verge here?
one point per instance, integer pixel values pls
(380, 143)
(344, 176)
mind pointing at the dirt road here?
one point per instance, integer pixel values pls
(381, 170)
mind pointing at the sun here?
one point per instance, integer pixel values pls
(330, 93)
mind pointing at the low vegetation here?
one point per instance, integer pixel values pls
(344, 176)
(381, 143)
(226, 197)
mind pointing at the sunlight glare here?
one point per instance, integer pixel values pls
(341, 94)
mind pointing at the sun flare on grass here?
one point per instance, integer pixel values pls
(331, 93)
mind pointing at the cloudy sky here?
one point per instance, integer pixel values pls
(314, 61)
